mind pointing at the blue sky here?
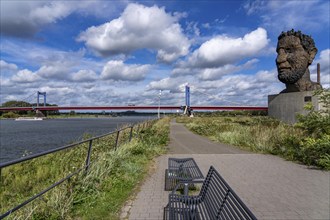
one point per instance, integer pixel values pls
(125, 52)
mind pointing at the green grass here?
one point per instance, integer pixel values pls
(258, 134)
(264, 135)
(97, 194)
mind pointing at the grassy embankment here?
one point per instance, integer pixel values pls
(98, 194)
(307, 142)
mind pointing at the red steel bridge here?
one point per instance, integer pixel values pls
(127, 108)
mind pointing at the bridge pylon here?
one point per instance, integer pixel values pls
(38, 97)
(187, 109)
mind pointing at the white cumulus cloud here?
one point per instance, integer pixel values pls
(139, 27)
(84, 76)
(267, 76)
(118, 71)
(25, 18)
(217, 73)
(238, 89)
(7, 66)
(173, 85)
(222, 50)
(54, 71)
(223, 55)
(25, 76)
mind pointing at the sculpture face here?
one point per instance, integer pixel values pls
(292, 60)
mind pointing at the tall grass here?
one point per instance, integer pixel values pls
(265, 135)
(258, 134)
(97, 194)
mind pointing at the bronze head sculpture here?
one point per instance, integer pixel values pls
(295, 52)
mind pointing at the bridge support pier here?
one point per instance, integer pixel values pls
(187, 109)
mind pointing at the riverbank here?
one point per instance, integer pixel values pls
(18, 138)
(13, 115)
(100, 194)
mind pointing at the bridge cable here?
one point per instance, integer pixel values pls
(24, 100)
(221, 99)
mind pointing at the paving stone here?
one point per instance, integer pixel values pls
(271, 187)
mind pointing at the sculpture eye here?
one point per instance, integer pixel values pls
(288, 50)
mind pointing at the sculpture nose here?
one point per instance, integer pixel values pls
(281, 57)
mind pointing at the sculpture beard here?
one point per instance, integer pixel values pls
(290, 76)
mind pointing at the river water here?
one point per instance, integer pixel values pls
(20, 137)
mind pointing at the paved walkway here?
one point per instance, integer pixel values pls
(271, 187)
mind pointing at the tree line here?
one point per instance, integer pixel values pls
(14, 103)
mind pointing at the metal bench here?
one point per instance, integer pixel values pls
(181, 169)
(216, 200)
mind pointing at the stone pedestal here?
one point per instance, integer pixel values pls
(285, 106)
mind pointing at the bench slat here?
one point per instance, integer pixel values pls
(181, 169)
(216, 200)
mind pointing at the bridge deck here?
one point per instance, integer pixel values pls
(59, 108)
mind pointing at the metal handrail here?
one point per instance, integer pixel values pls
(33, 156)
(86, 166)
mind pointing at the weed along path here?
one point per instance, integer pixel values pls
(182, 141)
(271, 187)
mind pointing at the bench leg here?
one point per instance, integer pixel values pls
(166, 213)
(185, 189)
(168, 182)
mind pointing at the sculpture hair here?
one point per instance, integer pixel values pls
(306, 41)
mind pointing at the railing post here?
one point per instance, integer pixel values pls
(87, 162)
(131, 133)
(117, 139)
(137, 130)
(88, 159)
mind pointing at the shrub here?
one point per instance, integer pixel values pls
(314, 151)
(324, 161)
(317, 123)
(10, 115)
(315, 148)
